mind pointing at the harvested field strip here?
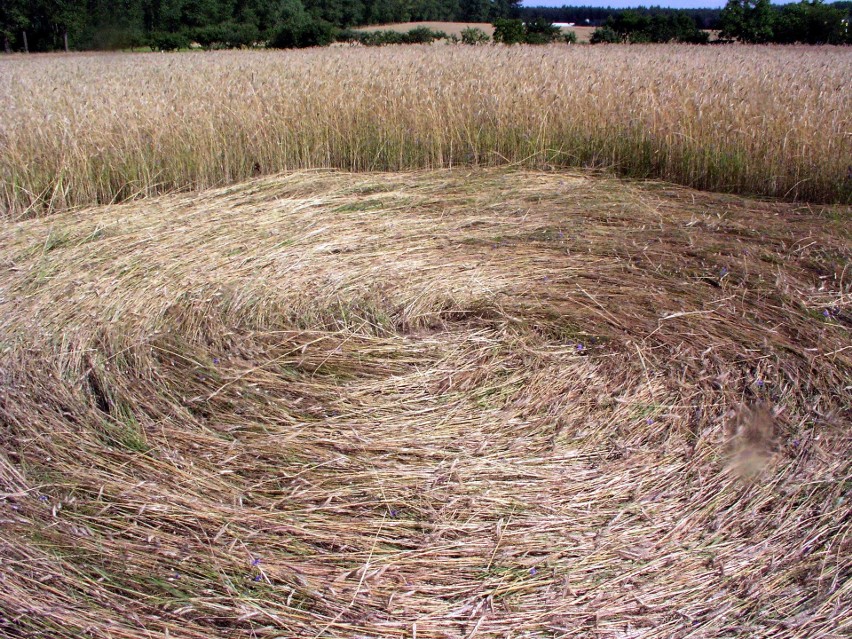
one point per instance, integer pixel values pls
(82, 130)
(456, 28)
(435, 404)
(450, 28)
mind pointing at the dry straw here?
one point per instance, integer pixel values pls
(447, 404)
(81, 130)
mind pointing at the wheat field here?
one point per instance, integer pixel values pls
(83, 129)
(336, 344)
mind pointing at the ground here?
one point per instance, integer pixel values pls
(462, 403)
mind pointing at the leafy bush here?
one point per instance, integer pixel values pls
(114, 39)
(698, 37)
(570, 37)
(228, 35)
(423, 35)
(350, 35)
(419, 35)
(301, 31)
(538, 31)
(390, 37)
(167, 41)
(605, 34)
(508, 31)
(472, 35)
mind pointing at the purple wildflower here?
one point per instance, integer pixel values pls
(533, 570)
(43, 497)
(650, 421)
(826, 313)
(255, 561)
(215, 360)
(580, 347)
(257, 578)
(760, 383)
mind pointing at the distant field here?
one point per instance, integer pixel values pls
(469, 403)
(453, 28)
(85, 129)
(583, 33)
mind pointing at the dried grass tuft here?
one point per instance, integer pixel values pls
(434, 404)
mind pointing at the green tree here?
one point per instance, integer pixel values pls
(508, 31)
(811, 22)
(474, 10)
(64, 19)
(264, 16)
(674, 25)
(387, 11)
(505, 9)
(540, 31)
(341, 13)
(749, 21)
(605, 35)
(299, 28)
(112, 24)
(13, 20)
(630, 25)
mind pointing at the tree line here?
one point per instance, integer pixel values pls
(750, 21)
(806, 22)
(641, 27)
(46, 25)
(49, 25)
(597, 16)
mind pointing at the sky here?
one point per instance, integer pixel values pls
(618, 4)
